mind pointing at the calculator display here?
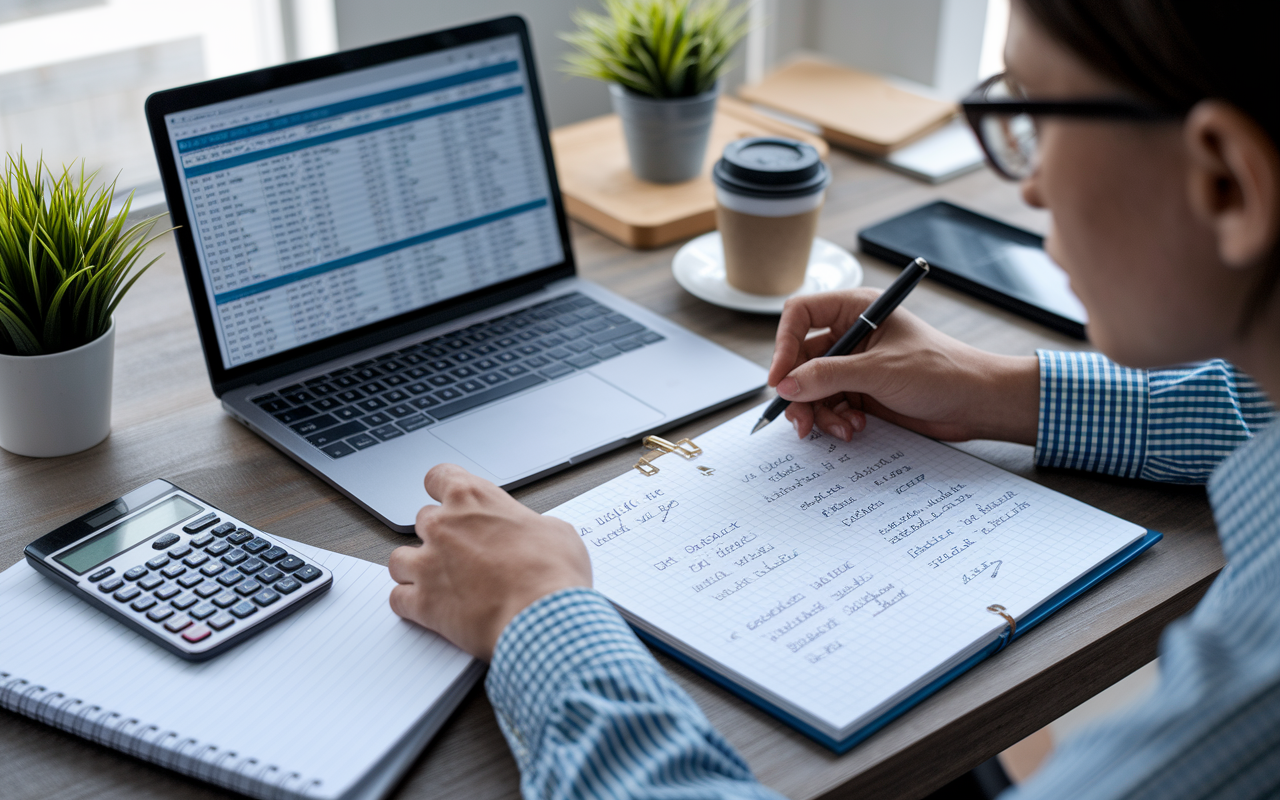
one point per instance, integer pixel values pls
(127, 534)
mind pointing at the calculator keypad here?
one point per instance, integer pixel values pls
(159, 613)
(307, 574)
(212, 580)
(150, 582)
(249, 587)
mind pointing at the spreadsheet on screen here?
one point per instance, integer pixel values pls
(324, 206)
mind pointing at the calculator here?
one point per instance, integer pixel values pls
(186, 575)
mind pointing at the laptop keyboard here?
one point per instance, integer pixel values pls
(362, 405)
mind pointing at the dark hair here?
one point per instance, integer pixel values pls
(1175, 53)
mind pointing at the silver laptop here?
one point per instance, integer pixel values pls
(379, 263)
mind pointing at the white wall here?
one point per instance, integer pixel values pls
(362, 22)
(935, 43)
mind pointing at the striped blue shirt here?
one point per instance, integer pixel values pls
(588, 712)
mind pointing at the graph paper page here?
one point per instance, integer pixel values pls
(834, 576)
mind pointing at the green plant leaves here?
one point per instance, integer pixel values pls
(659, 48)
(65, 261)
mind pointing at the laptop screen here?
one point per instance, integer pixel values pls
(324, 206)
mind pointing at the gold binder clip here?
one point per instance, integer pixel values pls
(685, 448)
(645, 464)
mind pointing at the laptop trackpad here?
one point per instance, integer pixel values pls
(546, 427)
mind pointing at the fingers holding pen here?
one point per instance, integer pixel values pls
(834, 310)
(835, 417)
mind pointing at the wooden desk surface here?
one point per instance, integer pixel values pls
(168, 424)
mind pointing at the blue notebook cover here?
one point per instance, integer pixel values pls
(1035, 616)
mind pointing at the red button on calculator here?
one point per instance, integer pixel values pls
(196, 634)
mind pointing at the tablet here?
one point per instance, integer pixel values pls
(991, 260)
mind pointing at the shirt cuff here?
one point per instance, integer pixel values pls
(546, 646)
(1199, 414)
(1093, 414)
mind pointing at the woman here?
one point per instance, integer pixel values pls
(1166, 215)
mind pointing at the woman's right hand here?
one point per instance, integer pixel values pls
(905, 372)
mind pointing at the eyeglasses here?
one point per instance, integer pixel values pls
(1005, 121)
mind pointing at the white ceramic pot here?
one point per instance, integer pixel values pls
(57, 404)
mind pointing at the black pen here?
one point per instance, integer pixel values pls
(867, 322)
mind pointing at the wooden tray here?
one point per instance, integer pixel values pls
(600, 191)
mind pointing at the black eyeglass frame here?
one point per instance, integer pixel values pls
(976, 106)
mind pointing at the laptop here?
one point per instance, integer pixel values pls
(379, 262)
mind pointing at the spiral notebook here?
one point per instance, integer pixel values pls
(334, 702)
(836, 585)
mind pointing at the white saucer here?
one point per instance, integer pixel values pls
(699, 268)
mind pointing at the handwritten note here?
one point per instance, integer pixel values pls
(833, 577)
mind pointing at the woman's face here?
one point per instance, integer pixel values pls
(1146, 268)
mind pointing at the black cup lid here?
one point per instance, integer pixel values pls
(768, 166)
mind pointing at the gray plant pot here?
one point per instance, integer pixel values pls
(666, 138)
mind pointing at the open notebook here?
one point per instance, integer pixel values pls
(836, 585)
(334, 702)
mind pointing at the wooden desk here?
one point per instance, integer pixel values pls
(168, 424)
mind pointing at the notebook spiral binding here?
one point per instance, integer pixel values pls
(169, 749)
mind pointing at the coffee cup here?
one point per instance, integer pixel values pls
(769, 192)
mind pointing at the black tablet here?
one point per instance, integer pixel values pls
(993, 261)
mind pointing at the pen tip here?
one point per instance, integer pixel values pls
(763, 421)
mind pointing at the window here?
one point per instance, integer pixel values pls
(74, 74)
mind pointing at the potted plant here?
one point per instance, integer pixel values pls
(662, 59)
(65, 263)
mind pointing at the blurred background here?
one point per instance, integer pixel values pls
(74, 73)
